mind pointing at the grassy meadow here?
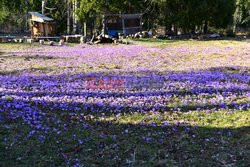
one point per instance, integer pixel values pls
(181, 103)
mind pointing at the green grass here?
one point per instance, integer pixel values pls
(211, 119)
(165, 42)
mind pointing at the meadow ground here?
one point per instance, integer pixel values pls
(151, 103)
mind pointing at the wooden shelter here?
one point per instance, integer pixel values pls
(41, 25)
(125, 24)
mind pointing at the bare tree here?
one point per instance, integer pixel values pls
(75, 22)
(44, 3)
(68, 16)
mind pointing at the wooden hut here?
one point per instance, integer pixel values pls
(41, 25)
(125, 24)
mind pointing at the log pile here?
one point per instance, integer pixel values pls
(139, 35)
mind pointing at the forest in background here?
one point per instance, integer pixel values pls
(185, 16)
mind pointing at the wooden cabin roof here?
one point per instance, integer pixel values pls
(38, 17)
(125, 16)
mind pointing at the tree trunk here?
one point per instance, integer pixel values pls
(85, 29)
(68, 17)
(205, 28)
(27, 17)
(175, 30)
(74, 17)
(193, 29)
(168, 29)
(44, 2)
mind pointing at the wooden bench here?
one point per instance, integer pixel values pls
(57, 39)
(7, 38)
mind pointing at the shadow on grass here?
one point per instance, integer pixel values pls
(190, 38)
(94, 143)
(25, 71)
(150, 40)
(127, 144)
(27, 57)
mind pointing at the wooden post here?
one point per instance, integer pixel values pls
(32, 31)
(43, 25)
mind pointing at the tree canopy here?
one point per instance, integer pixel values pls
(186, 15)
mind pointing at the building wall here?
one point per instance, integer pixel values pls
(43, 29)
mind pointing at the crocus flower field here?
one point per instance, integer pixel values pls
(181, 103)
